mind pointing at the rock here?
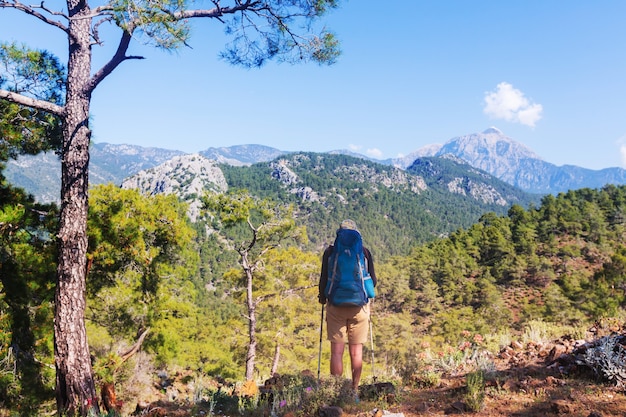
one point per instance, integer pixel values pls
(457, 407)
(330, 411)
(555, 382)
(422, 407)
(516, 345)
(556, 352)
(187, 176)
(511, 385)
(378, 390)
(561, 407)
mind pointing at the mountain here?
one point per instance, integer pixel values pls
(510, 161)
(40, 175)
(490, 151)
(242, 154)
(406, 160)
(432, 198)
(188, 176)
(457, 176)
(113, 163)
(411, 205)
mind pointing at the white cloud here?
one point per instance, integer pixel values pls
(510, 104)
(374, 153)
(353, 147)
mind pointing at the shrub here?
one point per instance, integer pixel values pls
(475, 394)
(332, 391)
(608, 359)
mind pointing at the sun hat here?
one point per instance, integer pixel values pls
(348, 224)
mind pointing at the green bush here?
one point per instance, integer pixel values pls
(475, 394)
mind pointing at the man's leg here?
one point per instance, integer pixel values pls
(356, 360)
(336, 358)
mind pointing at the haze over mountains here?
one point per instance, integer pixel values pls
(491, 151)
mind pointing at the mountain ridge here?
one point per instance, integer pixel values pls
(491, 151)
(516, 164)
(188, 176)
(387, 201)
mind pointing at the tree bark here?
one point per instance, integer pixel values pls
(134, 348)
(75, 387)
(252, 342)
(276, 360)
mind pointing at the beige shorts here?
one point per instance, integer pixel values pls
(347, 324)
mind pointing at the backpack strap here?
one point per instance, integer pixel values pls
(333, 275)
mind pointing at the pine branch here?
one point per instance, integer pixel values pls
(31, 11)
(32, 102)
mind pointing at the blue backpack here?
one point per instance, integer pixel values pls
(347, 271)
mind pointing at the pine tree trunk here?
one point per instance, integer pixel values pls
(75, 388)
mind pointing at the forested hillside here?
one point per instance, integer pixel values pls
(397, 209)
(562, 262)
(559, 262)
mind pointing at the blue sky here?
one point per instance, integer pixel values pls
(549, 74)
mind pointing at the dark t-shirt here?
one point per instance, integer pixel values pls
(324, 273)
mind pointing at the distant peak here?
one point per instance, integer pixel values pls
(493, 129)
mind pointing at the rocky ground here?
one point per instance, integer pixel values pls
(533, 380)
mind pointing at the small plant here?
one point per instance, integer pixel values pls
(331, 391)
(475, 394)
(247, 404)
(419, 370)
(452, 360)
(429, 378)
(469, 355)
(484, 363)
(217, 402)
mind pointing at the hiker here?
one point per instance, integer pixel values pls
(347, 320)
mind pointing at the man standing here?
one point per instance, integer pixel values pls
(348, 315)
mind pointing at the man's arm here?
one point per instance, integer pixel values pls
(324, 276)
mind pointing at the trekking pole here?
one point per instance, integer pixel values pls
(372, 343)
(319, 357)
